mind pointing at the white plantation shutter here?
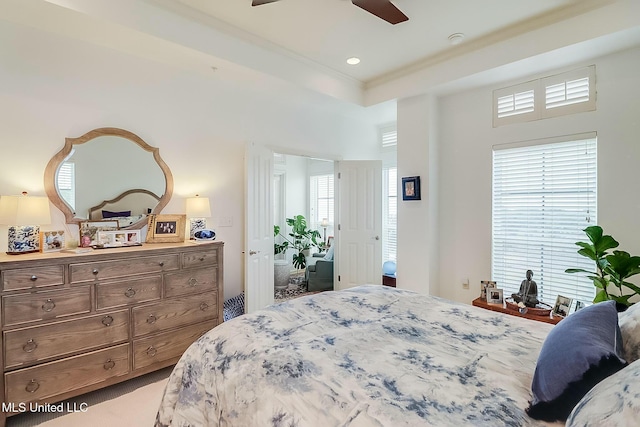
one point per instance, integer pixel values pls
(544, 195)
(515, 103)
(66, 183)
(567, 93)
(390, 213)
(388, 136)
(321, 195)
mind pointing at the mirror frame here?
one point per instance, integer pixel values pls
(55, 162)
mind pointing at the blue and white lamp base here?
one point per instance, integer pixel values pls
(23, 239)
(195, 225)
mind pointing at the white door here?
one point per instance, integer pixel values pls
(359, 212)
(258, 253)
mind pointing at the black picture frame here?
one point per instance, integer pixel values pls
(411, 188)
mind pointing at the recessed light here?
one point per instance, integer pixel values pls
(456, 38)
(353, 61)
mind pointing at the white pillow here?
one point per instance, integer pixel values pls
(614, 402)
(329, 255)
(629, 322)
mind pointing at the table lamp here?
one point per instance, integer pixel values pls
(24, 215)
(197, 210)
(324, 224)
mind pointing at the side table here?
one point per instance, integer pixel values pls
(389, 280)
(499, 308)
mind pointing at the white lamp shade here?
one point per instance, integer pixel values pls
(24, 210)
(324, 222)
(198, 207)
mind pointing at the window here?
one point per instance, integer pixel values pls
(544, 195)
(321, 196)
(66, 183)
(566, 93)
(390, 213)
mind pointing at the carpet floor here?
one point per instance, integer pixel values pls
(133, 403)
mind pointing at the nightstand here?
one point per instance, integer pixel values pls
(389, 280)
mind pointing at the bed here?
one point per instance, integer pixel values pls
(129, 208)
(366, 356)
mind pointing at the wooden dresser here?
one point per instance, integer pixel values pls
(73, 323)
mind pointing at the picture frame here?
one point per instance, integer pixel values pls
(164, 228)
(562, 306)
(411, 188)
(89, 231)
(484, 285)
(329, 241)
(495, 296)
(52, 241)
(118, 239)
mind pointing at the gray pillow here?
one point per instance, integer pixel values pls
(578, 353)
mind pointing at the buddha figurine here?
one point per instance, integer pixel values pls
(528, 293)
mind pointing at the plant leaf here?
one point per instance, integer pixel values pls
(578, 270)
(601, 296)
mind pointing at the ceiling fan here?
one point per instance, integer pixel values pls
(383, 9)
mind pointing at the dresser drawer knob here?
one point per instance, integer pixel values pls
(109, 364)
(107, 320)
(48, 305)
(201, 258)
(30, 346)
(32, 386)
(204, 306)
(34, 278)
(129, 293)
(161, 263)
(94, 271)
(193, 281)
(151, 351)
(151, 319)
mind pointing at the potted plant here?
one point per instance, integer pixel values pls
(611, 268)
(301, 239)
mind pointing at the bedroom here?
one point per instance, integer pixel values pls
(63, 87)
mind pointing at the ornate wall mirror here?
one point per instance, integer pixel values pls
(110, 172)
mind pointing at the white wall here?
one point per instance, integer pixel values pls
(53, 87)
(466, 137)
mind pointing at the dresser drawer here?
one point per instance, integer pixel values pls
(46, 305)
(167, 346)
(35, 277)
(172, 313)
(190, 281)
(29, 345)
(122, 268)
(132, 291)
(200, 259)
(51, 379)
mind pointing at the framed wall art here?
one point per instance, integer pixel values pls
(562, 306)
(166, 228)
(411, 188)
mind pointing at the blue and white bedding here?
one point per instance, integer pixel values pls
(367, 356)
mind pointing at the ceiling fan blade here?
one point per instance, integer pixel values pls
(260, 2)
(383, 9)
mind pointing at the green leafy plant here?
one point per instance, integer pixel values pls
(611, 268)
(300, 238)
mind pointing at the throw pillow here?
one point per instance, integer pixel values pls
(630, 327)
(329, 254)
(578, 353)
(109, 214)
(613, 402)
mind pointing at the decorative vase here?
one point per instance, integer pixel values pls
(281, 273)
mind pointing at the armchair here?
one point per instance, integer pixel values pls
(319, 274)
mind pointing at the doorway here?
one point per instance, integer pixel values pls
(303, 186)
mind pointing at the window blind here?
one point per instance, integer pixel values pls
(515, 103)
(66, 183)
(544, 195)
(321, 199)
(390, 214)
(567, 93)
(388, 136)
